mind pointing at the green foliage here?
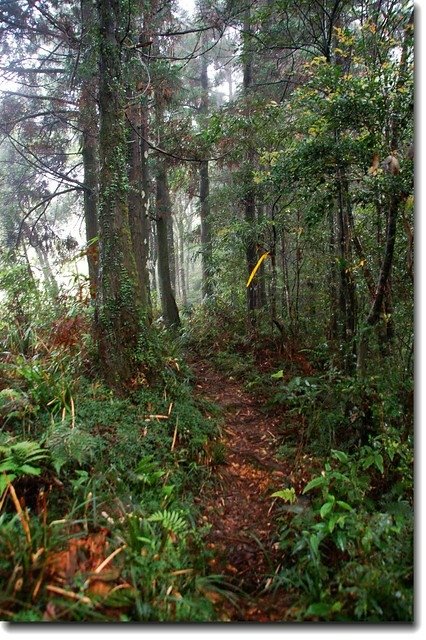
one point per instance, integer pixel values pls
(13, 404)
(215, 326)
(301, 144)
(148, 471)
(171, 521)
(48, 383)
(20, 459)
(112, 454)
(345, 558)
(72, 444)
(343, 410)
(288, 495)
(164, 559)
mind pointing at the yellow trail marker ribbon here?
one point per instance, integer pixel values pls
(256, 268)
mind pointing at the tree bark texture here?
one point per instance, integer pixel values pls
(206, 235)
(163, 215)
(138, 215)
(119, 313)
(249, 200)
(90, 142)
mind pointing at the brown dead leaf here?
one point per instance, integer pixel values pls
(213, 596)
(99, 588)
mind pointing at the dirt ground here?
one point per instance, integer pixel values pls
(239, 506)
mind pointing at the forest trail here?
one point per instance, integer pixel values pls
(239, 506)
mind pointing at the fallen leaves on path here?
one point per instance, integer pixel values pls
(239, 506)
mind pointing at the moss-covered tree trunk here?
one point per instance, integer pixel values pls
(90, 139)
(138, 214)
(119, 310)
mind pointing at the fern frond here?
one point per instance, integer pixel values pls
(172, 521)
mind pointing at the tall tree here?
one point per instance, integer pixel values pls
(206, 234)
(90, 139)
(249, 198)
(120, 311)
(162, 217)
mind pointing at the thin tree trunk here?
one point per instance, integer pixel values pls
(396, 197)
(253, 301)
(333, 288)
(163, 215)
(46, 269)
(286, 298)
(171, 250)
(347, 293)
(206, 236)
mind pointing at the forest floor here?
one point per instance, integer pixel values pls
(238, 504)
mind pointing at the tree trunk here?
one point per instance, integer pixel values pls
(163, 215)
(347, 292)
(206, 236)
(119, 312)
(90, 141)
(34, 241)
(249, 203)
(334, 286)
(181, 254)
(138, 218)
(397, 196)
(171, 247)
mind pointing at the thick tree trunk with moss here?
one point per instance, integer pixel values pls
(119, 311)
(91, 200)
(138, 215)
(163, 215)
(90, 139)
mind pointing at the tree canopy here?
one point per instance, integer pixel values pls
(206, 244)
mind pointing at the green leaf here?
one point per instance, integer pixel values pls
(334, 519)
(344, 505)
(378, 461)
(4, 481)
(367, 462)
(29, 470)
(288, 495)
(320, 609)
(326, 508)
(314, 542)
(341, 540)
(319, 481)
(339, 455)
(340, 476)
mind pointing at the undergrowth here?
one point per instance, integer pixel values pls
(346, 545)
(97, 515)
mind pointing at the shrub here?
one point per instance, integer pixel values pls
(347, 559)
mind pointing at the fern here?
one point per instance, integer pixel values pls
(19, 460)
(148, 471)
(171, 521)
(71, 444)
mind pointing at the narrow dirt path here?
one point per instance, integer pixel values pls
(239, 506)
